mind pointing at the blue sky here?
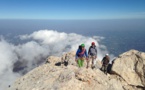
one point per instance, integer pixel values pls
(72, 9)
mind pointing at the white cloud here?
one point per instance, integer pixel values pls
(7, 59)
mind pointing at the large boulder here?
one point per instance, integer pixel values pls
(131, 67)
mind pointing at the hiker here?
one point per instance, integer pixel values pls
(92, 55)
(81, 54)
(105, 62)
(110, 66)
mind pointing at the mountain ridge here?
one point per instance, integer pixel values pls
(128, 73)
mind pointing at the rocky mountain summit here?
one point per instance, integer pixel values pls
(128, 73)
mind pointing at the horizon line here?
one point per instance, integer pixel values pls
(72, 19)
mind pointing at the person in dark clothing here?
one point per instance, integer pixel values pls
(105, 62)
(110, 66)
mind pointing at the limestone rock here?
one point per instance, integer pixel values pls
(70, 57)
(131, 67)
(53, 60)
(128, 68)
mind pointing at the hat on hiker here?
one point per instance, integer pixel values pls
(107, 54)
(93, 43)
(83, 45)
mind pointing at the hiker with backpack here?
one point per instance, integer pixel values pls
(105, 62)
(92, 55)
(81, 54)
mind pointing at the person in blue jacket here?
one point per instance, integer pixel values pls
(81, 54)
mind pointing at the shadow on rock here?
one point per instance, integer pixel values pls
(60, 63)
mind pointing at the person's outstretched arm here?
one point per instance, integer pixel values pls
(86, 53)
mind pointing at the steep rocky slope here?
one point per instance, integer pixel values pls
(128, 73)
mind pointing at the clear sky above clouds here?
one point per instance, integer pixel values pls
(72, 9)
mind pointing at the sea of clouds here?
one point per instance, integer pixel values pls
(18, 59)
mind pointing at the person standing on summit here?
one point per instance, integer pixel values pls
(81, 54)
(105, 61)
(92, 55)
